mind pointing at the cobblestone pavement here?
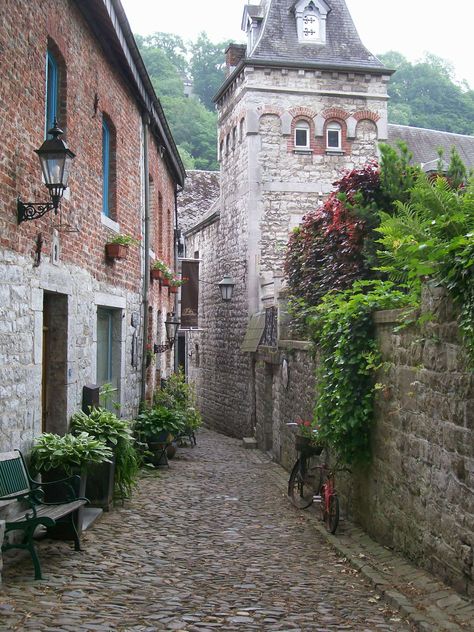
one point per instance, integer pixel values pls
(210, 544)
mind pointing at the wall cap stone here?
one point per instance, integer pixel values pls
(301, 345)
(387, 316)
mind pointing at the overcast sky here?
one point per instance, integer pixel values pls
(411, 27)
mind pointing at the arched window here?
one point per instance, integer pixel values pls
(334, 136)
(302, 135)
(52, 91)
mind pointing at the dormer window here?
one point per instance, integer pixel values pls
(311, 21)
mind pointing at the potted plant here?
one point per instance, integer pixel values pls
(56, 458)
(119, 475)
(157, 426)
(117, 247)
(174, 285)
(159, 270)
(178, 395)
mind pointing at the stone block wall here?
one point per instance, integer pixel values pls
(418, 493)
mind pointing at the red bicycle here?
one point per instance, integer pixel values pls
(315, 482)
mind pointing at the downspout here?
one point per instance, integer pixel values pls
(146, 248)
(176, 304)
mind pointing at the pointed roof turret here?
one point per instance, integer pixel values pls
(306, 32)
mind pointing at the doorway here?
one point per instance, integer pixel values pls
(54, 363)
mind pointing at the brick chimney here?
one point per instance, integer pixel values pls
(233, 54)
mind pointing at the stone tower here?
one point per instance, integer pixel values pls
(303, 101)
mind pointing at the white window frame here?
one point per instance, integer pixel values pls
(300, 126)
(334, 126)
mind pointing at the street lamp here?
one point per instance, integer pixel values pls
(226, 286)
(55, 159)
(171, 325)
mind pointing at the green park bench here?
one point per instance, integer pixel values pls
(24, 499)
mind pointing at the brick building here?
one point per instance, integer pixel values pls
(69, 315)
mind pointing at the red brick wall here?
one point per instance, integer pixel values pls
(92, 87)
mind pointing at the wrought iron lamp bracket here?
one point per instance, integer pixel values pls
(33, 210)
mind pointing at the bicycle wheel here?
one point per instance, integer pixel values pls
(300, 489)
(331, 516)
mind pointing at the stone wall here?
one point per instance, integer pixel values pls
(418, 494)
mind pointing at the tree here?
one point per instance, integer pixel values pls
(207, 68)
(171, 45)
(163, 74)
(424, 94)
(194, 129)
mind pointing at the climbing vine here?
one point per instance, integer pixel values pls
(342, 332)
(391, 226)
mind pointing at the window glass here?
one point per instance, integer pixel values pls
(52, 91)
(108, 350)
(302, 135)
(105, 168)
(334, 136)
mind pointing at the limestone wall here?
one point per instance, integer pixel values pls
(22, 290)
(418, 494)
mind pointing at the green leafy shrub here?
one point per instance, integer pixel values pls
(342, 332)
(155, 420)
(107, 427)
(179, 395)
(69, 452)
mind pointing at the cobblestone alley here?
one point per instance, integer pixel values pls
(210, 544)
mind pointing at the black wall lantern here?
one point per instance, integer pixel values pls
(55, 159)
(171, 325)
(226, 286)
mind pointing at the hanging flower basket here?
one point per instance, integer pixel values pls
(165, 281)
(173, 289)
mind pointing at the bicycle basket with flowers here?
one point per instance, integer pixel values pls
(307, 440)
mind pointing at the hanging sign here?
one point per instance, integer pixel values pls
(189, 293)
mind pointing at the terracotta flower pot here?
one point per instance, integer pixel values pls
(156, 274)
(116, 251)
(165, 281)
(173, 289)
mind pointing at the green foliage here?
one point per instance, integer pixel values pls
(108, 428)
(69, 453)
(424, 94)
(341, 329)
(164, 74)
(155, 420)
(177, 394)
(193, 121)
(188, 161)
(194, 129)
(123, 240)
(207, 68)
(433, 235)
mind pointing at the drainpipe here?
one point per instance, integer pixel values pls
(146, 248)
(176, 304)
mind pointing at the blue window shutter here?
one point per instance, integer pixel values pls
(105, 168)
(52, 91)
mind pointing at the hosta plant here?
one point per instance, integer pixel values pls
(69, 452)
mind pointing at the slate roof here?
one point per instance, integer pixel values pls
(343, 48)
(201, 192)
(424, 143)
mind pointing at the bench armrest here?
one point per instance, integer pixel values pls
(60, 491)
(23, 496)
